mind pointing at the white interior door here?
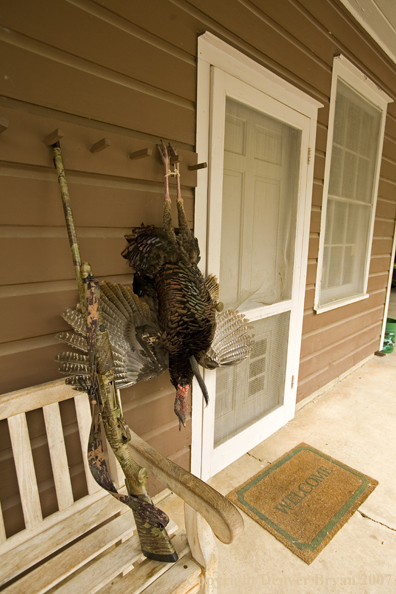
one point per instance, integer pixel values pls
(256, 233)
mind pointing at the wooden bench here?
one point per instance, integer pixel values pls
(90, 545)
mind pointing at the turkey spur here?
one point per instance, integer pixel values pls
(170, 319)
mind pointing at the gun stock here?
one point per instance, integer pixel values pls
(150, 521)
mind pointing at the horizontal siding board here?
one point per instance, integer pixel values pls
(316, 216)
(387, 189)
(143, 390)
(388, 169)
(335, 352)
(282, 49)
(151, 414)
(170, 440)
(167, 21)
(34, 259)
(100, 42)
(319, 166)
(386, 209)
(323, 377)
(57, 86)
(390, 128)
(96, 202)
(313, 321)
(26, 145)
(298, 23)
(381, 246)
(325, 337)
(334, 18)
(311, 272)
(309, 298)
(379, 264)
(182, 458)
(389, 147)
(27, 316)
(317, 193)
(313, 247)
(376, 282)
(321, 138)
(28, 367)
(384, 228)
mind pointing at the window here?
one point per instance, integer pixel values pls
(354, 146)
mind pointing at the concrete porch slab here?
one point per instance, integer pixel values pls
(354, 421)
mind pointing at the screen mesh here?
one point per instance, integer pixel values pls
(247, 392)
(260, 189)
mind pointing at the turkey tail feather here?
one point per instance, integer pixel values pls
(197, 373)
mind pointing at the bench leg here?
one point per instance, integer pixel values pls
(203, 547)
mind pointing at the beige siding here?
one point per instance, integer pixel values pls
(127, 71)
(81, 68)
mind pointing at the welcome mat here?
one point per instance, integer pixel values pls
(304, 498)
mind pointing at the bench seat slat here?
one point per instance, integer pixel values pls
(147, 572)
(43, 544)
(100, 572)
(55, 570)
(25, 471)
(57, 450)
(182, 578)
(96, 575)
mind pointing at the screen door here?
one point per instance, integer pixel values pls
(258, 177)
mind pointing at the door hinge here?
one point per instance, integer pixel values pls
(292, 382)
(309, 155)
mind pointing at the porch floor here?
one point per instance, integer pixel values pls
(354, 422)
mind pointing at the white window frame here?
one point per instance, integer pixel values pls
(343, 69)
(214, 53)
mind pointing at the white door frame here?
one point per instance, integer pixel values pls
(214, 52)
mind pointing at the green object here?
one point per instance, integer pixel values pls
(390, 336)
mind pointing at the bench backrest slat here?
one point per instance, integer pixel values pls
(14, 407)
(57, 450)
(83, 412)
(25, 470)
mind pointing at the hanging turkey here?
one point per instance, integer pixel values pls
(170, 320)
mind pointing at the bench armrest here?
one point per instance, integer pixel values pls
(222, 516)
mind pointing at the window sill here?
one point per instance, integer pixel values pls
(340, 303)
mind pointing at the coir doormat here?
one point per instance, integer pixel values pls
(304, 498)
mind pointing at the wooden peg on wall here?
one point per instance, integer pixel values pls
(141, 154)
(3, 124)
(54, 137)
(175, 159)
(100, 145)
(197, 166)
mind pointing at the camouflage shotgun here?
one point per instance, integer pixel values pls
(104, 396)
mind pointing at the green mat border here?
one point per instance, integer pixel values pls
(317, 541)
